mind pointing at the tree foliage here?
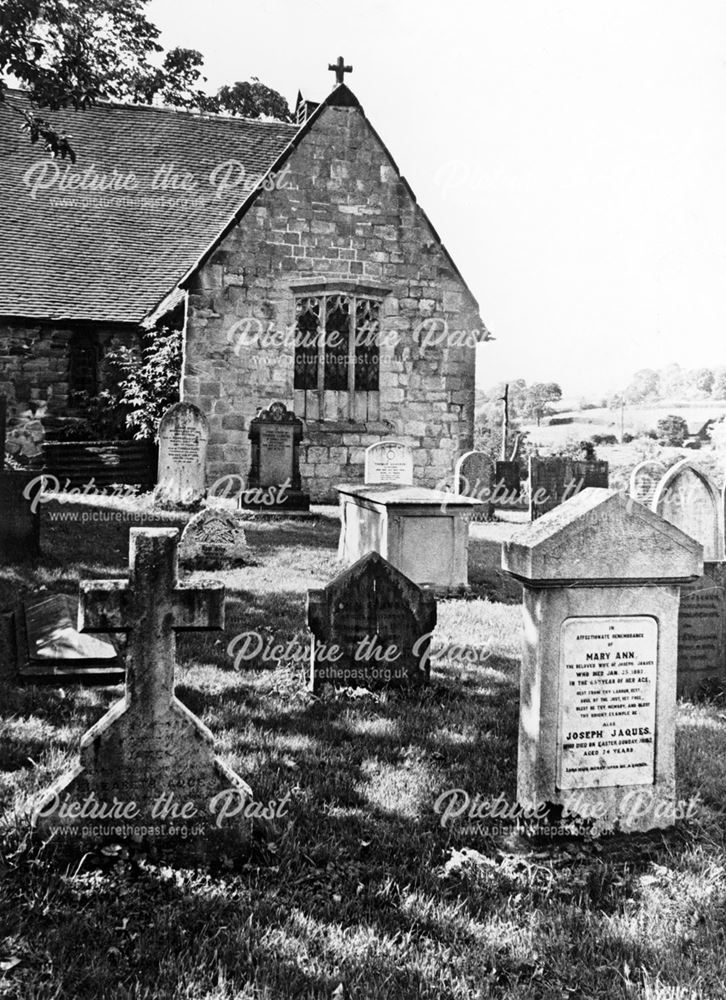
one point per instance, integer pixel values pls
(148, 382)
(672, 430)
(73, 54)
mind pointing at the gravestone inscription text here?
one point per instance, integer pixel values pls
(607, 714)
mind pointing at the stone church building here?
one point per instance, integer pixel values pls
(295, 255)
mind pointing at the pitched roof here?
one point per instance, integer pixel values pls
(112, 255)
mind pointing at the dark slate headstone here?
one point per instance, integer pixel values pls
(507, 484)
(702, 631)
(554, 480)
(50, 645)
(275, 435)
(371, 627)
(19, 524)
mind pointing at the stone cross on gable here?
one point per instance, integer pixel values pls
(340, 69)
(150, 748)
(151, 607)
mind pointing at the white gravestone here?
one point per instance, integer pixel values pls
(687, 498)
(601, 578)
(183, 439)
(644, 481)
(389, 461)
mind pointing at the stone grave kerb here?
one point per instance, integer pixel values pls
(599, 564)
(149, 743)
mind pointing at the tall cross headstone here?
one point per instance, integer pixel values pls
(148, 749)
(340, 69)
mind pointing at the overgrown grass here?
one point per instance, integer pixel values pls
(359, 890)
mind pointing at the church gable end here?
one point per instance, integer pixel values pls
(335, 253)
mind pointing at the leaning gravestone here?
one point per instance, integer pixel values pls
(686, 497)
(213, 539)
(19, 517)
(554, 480)
(275, 435)
(473, 477)
(389, 461)
(149, 751)
(183, 439)
(601, 579)
(371, 627)
(644, 481)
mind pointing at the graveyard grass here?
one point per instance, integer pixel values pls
(359, 885)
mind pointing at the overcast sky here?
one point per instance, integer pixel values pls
(572, 156)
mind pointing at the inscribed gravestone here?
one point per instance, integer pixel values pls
(644, 481)
(371, 627)
(212, 539)
(183, 439)
(275, 435)
(473, 477)
(601, 580)
(389, 461)
(554, 480)
(148, 749)
(685, 496)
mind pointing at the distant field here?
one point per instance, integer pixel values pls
(636, 420)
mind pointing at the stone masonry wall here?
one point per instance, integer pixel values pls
(34, 362)
(343, 213)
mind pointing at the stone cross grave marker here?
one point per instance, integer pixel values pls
(148, 749)
(183, 439)
(389, 461)
(275, 435)
(213, 539)
(644, 481)
(552, 480)
(601, 578)
(371, 627)
(688, 498)
(474, 477)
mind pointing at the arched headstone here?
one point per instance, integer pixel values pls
(183, 438)
(389, 461)
(686, 497)
(474, 477)
(644, 480)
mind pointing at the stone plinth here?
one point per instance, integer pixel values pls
(423, 533)
(601, 578)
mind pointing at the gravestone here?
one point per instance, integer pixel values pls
(644, 481)
(554, 480)
(389, 461)
(19, 521)
(49, 644)
(213, 539)
(275, 435)
(148, 749)
(423, 533)
(474, 477)
(507, 484)
(371, 627)
(687, 497)
(601, 579)
(183, 439)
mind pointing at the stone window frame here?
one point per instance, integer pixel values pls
(324, 291)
